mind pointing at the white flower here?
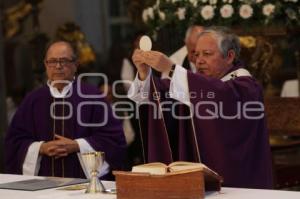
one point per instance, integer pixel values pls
(147, 14)
(161, 15)
(194, 2)
(230, 1)
(259, 1)
(291, 13)
(204, 1)
(213, 2)
(246, 11)
(268, 9)
(294, 1)
(226, 11)
(181, 13)
(207, 12)
(156, 6)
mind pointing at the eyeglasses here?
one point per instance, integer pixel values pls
(64, 62)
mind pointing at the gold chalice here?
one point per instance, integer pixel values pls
(93, 162)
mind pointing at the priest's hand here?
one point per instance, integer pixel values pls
(53, 149)
(138, 60)
(157, 60)
(71, 146)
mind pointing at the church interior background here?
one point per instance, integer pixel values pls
(104, 31)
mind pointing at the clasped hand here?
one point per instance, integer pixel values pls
(155, 59)
(59, 147)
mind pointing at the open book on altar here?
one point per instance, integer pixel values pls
(158, 180)
(158, 168)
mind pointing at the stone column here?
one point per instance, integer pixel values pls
(93, 19)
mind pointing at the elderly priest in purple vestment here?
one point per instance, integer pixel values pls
(214, 116)
(61, 119)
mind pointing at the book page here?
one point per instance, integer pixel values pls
(181, 165)
(156, 168)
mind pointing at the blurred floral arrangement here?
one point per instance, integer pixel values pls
(72, 33)
(248, 13)
(14, 16)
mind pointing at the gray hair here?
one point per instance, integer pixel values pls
(190, 30)
(188, 33)
(226, 40)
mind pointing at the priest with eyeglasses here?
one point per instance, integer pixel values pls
(61, 119)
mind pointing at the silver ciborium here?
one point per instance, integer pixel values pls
(93, 162)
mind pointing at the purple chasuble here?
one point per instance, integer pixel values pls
(32, 122)
(228, 141)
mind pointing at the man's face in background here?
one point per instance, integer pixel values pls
(60, 62)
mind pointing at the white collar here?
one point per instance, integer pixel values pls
(237, 73)
(56, 93)
(193, 67)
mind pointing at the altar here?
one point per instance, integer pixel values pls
(58, 193)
